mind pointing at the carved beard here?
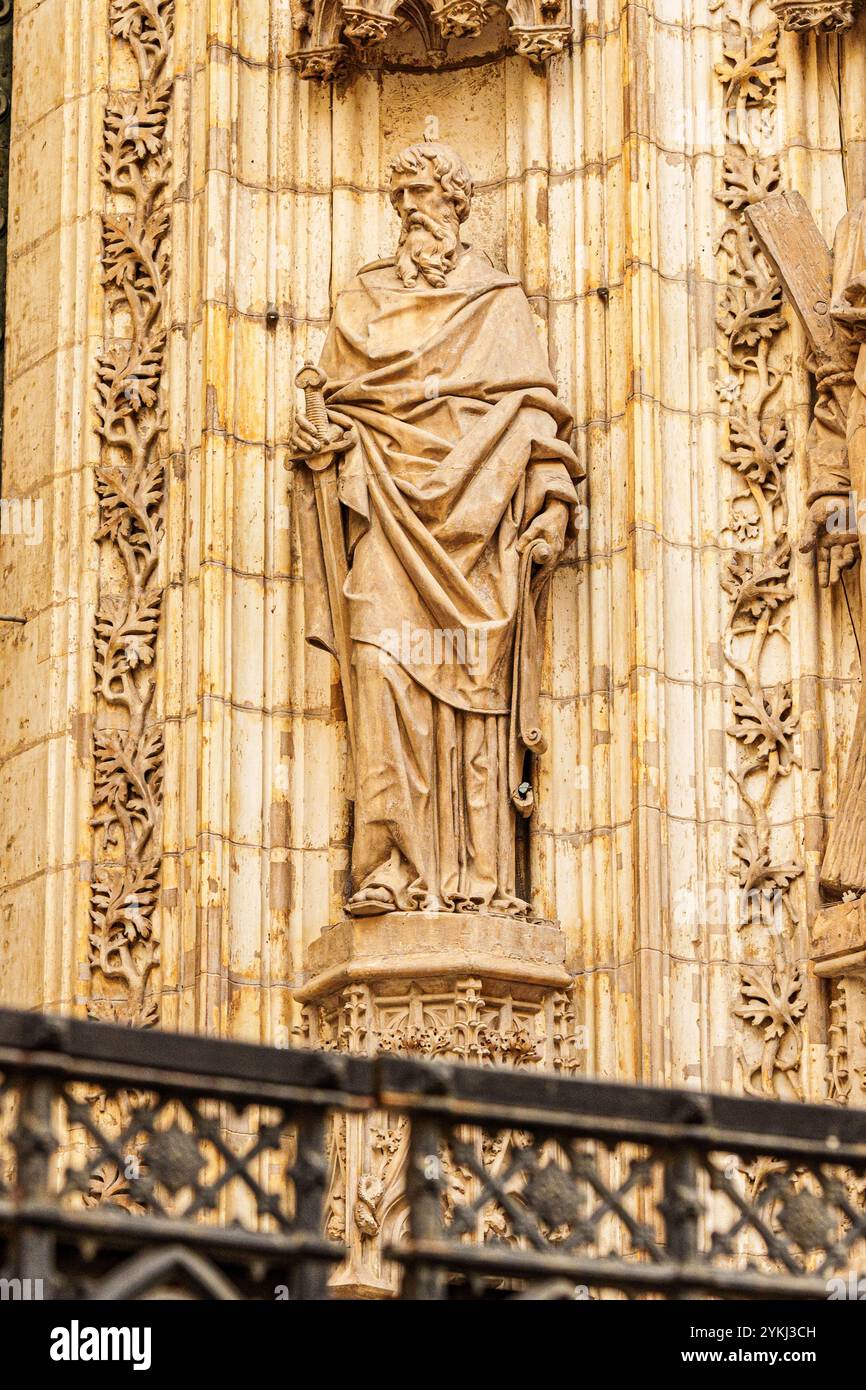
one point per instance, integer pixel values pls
(427, 247)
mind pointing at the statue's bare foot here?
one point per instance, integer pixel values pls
(371, 902)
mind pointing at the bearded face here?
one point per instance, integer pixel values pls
(428, 247)
(429, 229)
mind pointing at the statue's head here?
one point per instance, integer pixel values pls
(431, 190)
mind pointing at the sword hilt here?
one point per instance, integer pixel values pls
(333, 439)
(312, 381)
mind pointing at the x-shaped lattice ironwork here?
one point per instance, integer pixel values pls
(540, 1198)
(178, 1170)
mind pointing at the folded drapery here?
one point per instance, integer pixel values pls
(459, 443)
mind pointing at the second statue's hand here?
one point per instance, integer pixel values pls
(546, 535)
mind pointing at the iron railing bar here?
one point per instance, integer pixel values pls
(592, 1126)
(681, 1208)
(180, 1083)
(127, 1229)
(582, 1125)
(857, 1229)
(517, 1090)
(217, 1060)
(211, 1061)
(183, 1053)
(466, 1259)
(828, 1148)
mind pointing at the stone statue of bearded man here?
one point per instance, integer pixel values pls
(427, 565)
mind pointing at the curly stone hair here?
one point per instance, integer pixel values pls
(448, 167)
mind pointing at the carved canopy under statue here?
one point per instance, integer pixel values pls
(827, 16)
(331, 31)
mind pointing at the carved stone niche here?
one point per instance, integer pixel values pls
(481, 989)
(826, 16)
(839, 955)
(330, 32)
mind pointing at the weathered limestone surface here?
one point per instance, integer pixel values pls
(48, 562)
(612, 182)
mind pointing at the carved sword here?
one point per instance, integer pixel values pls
(312, 381)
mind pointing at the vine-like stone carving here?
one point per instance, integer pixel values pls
(130, 481)
(763, 720)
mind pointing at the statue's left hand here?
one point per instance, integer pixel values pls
(551, 526)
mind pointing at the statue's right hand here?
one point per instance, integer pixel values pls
(304, 439)
(855, 291)
(828, 537)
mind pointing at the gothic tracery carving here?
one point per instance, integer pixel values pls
(328, 35)
(826, 16)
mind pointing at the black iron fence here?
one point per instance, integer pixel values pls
(150, 1164)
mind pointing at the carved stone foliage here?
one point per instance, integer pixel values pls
(128, 744)
(329, 35)
(826, 16)
(763, 720)
(112, 1178)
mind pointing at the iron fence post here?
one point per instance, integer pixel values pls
(424, 1193)
(308, 1278)
(34, 1143)
(681, 1209)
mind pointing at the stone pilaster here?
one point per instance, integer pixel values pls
(48, 560)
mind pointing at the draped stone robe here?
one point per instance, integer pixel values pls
(837, 458)
(461, 442)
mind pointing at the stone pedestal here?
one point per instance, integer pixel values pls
(473, 988)
(839, 954)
